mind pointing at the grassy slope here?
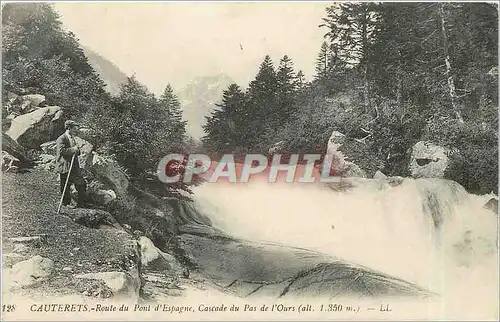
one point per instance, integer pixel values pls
(29, 208)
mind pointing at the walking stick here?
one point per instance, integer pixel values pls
(66, 184)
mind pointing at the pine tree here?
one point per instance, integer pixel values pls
(261, 104)
(300, 81)
(265, 82)
(135, 127)
(286, 91)
(225, 127)
(477, 42)
(330, 70)
(169, 102)
(322, 61)
(286, 76)
(352, 28)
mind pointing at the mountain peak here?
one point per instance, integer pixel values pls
(198, 99)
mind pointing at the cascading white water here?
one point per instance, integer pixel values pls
(427, 231)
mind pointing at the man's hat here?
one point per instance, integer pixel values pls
(69, 123)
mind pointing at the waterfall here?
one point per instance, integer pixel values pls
(427, 231)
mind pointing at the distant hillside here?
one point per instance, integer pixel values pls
(112, 76)
(198, 99)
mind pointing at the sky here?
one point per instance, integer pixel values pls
(175, 42)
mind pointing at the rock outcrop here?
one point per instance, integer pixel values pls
(102, 197)
(379, 176)
(428, 160)
(31, 102)
(86, 153)
(22, 104)
(34, 128)
(275, 148)
(73, 240)
(108, 172)
(149, 252)
(122, 285)
(159, 219)
(49, 147)
(92, 218)
(340, 165)
(9, 162)
(46, 162)
(154, 259)
(14, 149)
(268, 270)
(492, 205)
(30, 272)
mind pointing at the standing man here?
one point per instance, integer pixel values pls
(66, 148)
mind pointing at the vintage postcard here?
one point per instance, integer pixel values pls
(249, 161)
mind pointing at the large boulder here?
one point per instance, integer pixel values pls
(155, 259)
(32, 129)
(9, 162)
(46, 162)
(49, 148)
(22, 104)
(11, 97)
(123, 285)
(492, 205)
(379, 175)
(333, 149)
(149, 252)
(108, 172)
(275, 148)
(335, 141)
(31, 102)
(428, 160)
(251, 269)
(92, 218)
(30, 272)
(102, 196)
(86, 153)
(14, 149)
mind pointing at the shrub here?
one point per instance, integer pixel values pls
(474, 153)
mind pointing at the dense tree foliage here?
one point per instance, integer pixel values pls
(387, 75)
(38, 56)
(136, 128)
(227, 123)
